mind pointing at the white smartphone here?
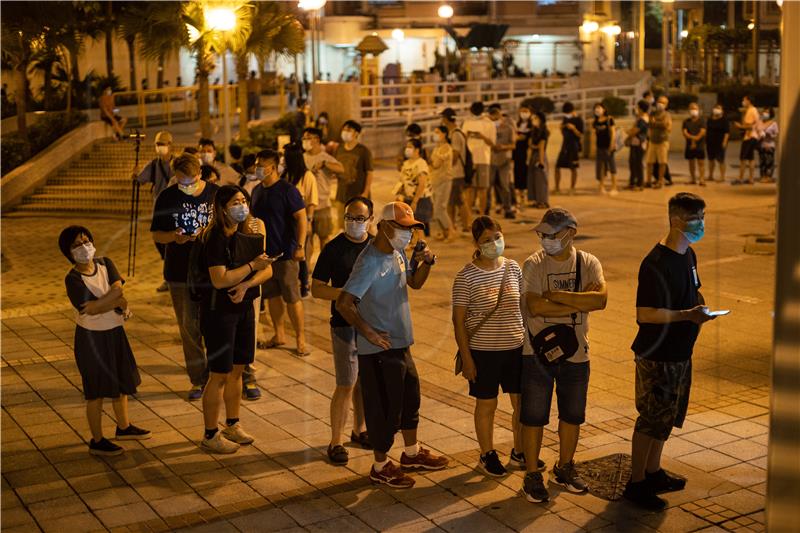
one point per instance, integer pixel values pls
(721, 312)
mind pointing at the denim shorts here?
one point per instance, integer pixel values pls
(345, 356)
(571, 382)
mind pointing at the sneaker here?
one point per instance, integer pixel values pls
(424, 460)
(641, 494)
(533, 487)
(338, 455)
(517, 460)
(614, 192)
(132, 433)
(104, 447)
(568, 477)
(251, 392)
(391, 475)
(218, 444)
(510, 215)
(195, 393)
(362, 439)
(236, 434)
(489, 463)
(163, 287)
(661, 482)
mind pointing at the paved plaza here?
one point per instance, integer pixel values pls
(284, 482)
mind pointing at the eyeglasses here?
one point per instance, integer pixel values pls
(360, 220)
(548, 235)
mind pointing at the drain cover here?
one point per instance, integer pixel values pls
(606, 476)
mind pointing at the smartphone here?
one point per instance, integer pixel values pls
(721, 312)
(275, 257)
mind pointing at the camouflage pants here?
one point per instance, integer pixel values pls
(662, 396)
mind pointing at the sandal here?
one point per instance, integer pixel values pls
(304, 352)
(266, 345)
(362, 439)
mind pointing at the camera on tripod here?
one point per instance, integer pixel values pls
(135, 136)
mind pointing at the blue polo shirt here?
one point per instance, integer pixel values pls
(276, 206)
(378, 280)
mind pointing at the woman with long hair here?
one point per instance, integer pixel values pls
(296, 173)
(538, 187)
(524, 129)
(231, 255)
(441, 172)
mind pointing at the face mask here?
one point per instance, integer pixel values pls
(554, 246)
(162, 150)
(694, 112)
(567, 116)
(409, 153)
(188, 189)
(438, 138)
(524, 116)
(347, 136)
(322, 121)
(695, 229)
(355, 230)
(660, 106)
(84, 253)
(281, 168)
(764, 116)
(494, 249)
(260, 173)
(717, 112)
(207, 158)
(238, 213)
(307, 146)
(598, 113)
(400, 239)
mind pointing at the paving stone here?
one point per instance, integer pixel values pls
(178, 505)
(57, 508)
(390, 516)
(125, 514)
(266, 520)
(708, 460)
(743, 501)
(111, 497)
(44, 491)
(78, 522)
(314, 510)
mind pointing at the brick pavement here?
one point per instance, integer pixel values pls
(282, 481)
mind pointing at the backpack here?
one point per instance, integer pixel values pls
(466, 161)
(197, 280)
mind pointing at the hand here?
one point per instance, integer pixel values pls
(261, 262)
(299, 255)
(468, 369)
(698, 314)
(89, 308)
(122, 303)
(236, 294)
(424, 255)
(380, 339)
(181, 237)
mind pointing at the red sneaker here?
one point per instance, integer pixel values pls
(391, 475)
(424, 460)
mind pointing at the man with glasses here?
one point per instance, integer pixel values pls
(561, 286)
(325, 167)
(375, 302)
(669, 312)
(334, 265)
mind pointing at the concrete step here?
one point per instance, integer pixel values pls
(85, 180)
(38, 209)
(88, 191)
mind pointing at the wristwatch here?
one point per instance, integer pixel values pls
(299, 246)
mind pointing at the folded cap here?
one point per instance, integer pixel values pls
(400, 213)
(164, 137)
(449, 113)
(555, 220)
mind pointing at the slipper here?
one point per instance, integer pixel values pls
(272, 343)
(305, 352)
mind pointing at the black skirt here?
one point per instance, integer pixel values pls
(106, 363)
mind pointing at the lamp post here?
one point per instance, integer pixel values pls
(398, 36)
(312, 7)
(445, 12)
(223, 20)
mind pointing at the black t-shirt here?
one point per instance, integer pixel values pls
(334, 264)
(693, 127)
(276, 206)
(716, 128)
(174, 210)
(230, 252)
(571, 140)
(667, 280)
(603, 132)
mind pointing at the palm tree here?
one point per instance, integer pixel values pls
(272, 31)
(162, 33)
(132, 23)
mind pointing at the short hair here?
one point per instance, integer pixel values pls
(643, 106)
(363, 199)
(190, 150)
(416, 143)
(685, 203)
(248, 161)
(476, 108)
(316, 132)
(494, 107)
(68, 236)
(647, 93)
(414, 129)
(353, 125)
(268, 155)
(301, 102)
(206, 142)
(235, 151)
(187, 164)
(568, 107)
(749, 98)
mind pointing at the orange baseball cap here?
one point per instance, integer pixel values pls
(401, 213)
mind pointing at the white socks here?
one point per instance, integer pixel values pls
(412, 451)
(378, 465)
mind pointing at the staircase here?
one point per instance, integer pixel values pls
(98, 182)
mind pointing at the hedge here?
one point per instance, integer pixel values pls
(16, 149)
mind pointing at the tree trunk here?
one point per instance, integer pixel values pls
(109, 40)
(202, 103)
(48, 88)
(21, 99)
(69, 90)
(241, 75)
(132, 62)
(160, 74)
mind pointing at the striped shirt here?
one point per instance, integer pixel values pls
(478, 290)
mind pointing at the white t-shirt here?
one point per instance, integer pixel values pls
(409, 178)
(481, 152)
(542, 273)
(323, 175)
(308, 189)
(98, 283)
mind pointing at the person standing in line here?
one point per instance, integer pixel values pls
(299, 118)
(322, 125)
(280, 206)
(253, 97)
(490, 333)
(718, 130)
(325, 167)
(158, 174)
(249, 179)
(669, 312)
(414, 187)
(481, 136)
(331, 272)
(520, 155)
(235, 269)
(296, 173)
(356, 180)
(413, 131)
(694, 131)
(181, 212)
(441, 176)
(749, 127)
(375, 302)
(658, 145)
(605, 144)
(213, 170)
(768, 138)
(538, 186)
(500, 171)
(458, 141)
(637, 141)
(570, 153)
(102, 352)
(561, 286)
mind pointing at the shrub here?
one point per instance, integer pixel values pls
(540, 103)
(16, 149)
(680, 101)
(730, 96)
(266, 136)
(617, 107)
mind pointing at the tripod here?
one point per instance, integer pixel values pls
(136, 137)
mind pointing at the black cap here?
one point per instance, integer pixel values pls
(449, 113)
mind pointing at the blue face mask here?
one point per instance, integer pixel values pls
(239, 212)
(695, 229)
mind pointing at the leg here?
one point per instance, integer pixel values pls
(558, 180)
(640, 455)
(484, 423)
(232, 392)
(567, 441)
(120, 406)
(649, 178)
(701, 167)
(692, 172)
(483, 198)
(506, 187)
(599, 170)
(574, 175)
(661, 168)
(742, 165)
(212, 399)
(710, 170)
(94, 415)
(298, 323)
(359, 425)
(516, 425)
(277, 312)
(340, 401)
(654, 457)
(722, 171)
(532, 441)
(188, 315)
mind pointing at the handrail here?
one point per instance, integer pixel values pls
(166, 96)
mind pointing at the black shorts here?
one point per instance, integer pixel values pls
(568, 157)
(230, 338)
(500, 368)
(748, 151)
(662, 396)
(715, 153)
(694, 153)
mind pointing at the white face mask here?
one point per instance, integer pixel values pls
(764, 116)
(524, 116)
(400, 239)
(189, 188)
(717, 112)
(409, 153)
(660, 106)
(207, 158)
(355, 230)
(555, 246)
(598, 112)
(162, 149)
(694, 112)
(347, 136)
(494, 249)
(84, 253)
(307, 146)
(251, 176)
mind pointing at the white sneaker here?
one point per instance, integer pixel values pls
(614, 192)
(217, 444)
(236, 434)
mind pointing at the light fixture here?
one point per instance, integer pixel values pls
(590, 26)
(311, 5)
(398, 35)
(220, 19)
(684, 34)
(751, 26)
(612, 30)
(630, 35)
(445, 11)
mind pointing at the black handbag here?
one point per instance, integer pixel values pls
(558, 342)
(459, 363)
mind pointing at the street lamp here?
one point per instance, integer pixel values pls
(445, 12)
(613, 30)
(223, 20)
(398, 36)
(312, 7)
